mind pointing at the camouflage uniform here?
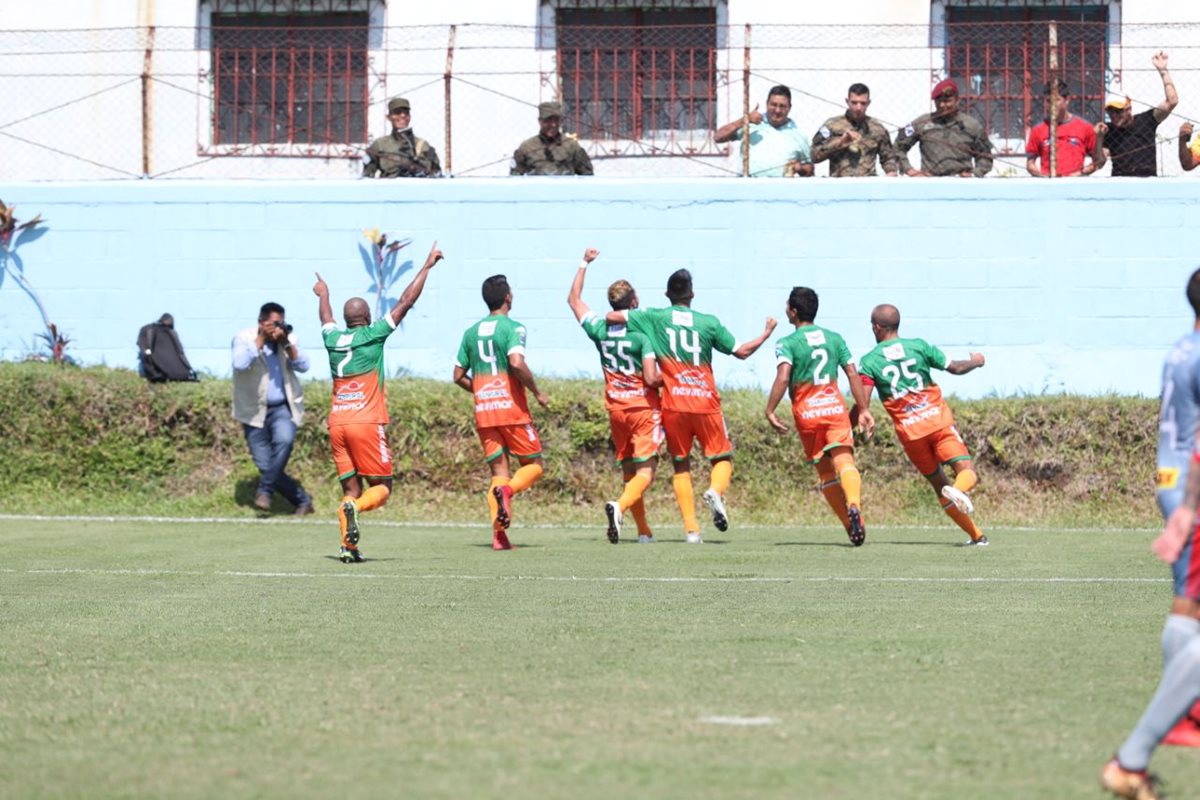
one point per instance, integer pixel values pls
(857, 159)
(948, 145)
(560, 156)
(401, 155)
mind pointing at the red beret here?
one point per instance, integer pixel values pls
(948, 86)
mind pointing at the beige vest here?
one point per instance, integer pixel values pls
(250, 387)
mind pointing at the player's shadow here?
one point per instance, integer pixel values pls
(244, 492)
(814, 544)
(516, 546)
(364, 561)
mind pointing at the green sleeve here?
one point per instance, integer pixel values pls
(840, 351)
(723, 340)
(933, 356)
(595, 327)
(464, 356)
(783, 351)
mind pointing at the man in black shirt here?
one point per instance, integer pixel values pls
(1130, 140)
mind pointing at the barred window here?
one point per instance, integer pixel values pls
(289, 78)
(1000, 57)
(632, 73)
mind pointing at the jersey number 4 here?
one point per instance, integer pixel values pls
(488, 354)
(680, 340)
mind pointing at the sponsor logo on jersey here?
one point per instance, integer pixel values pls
(487, 328)
(616, 330)
(350, 391)
(894, 352)
(496, 387)
(814, 338)
(681, 318)
(826, 397)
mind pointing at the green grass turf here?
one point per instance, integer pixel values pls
(241, 660)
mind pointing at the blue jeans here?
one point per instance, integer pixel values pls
(270, 448)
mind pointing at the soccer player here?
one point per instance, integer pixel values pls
(899, 368)
(630, 397)
(808, 360)
(1178, 494)
(491, 366)
(358, 416)
(691, 407)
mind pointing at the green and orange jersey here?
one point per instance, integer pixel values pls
(484, 353)
(621, 353)
(815, 354)
(684, 341)
(899, 369)
(356, 362)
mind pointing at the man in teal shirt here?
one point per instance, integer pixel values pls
(778, 149)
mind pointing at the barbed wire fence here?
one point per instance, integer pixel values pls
(266, 101)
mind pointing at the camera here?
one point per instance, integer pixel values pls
(286, 327)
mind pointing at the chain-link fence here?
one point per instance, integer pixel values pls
(299, 100)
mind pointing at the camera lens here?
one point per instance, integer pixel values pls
(286, 327)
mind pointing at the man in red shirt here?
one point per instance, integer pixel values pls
(1077, 140)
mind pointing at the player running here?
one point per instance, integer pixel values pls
(808, 360)
(683, 341)
(899, 368)
(630, 397)
(491, 366)
(358, 416)
(1167, 717)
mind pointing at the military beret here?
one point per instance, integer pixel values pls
(398, 104)
(947, 86)
(547, 110)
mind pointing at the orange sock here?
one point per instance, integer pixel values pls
(373, 498)
(493, 507)
(962, 520)
(721, 476)
(965, 481)
(851, 478)
(635, 487)
(638, 509)
(831, 489)
(526, 476)
(686, 498)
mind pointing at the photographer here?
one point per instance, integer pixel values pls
(268, 401)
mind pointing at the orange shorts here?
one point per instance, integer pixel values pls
(636, 434)
(819, 439)
(681, 428)
(361, 449)
(519, 440)
(931, 451)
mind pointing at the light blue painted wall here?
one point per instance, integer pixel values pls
(1070, 285)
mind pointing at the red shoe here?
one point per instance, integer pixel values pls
(1186, 732)
(503, 495)
(500, 540)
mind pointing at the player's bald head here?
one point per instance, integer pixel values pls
(886, 316)
(356, 312)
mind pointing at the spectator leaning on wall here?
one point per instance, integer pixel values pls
(952, 143)
(401, 154)
(853, 141)
(777, 149)
(1130, 139)
(1077, 139)
(551, 152)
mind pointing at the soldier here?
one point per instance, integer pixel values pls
(853, 141)
(401, 154)
(551, 152)
(950, 141)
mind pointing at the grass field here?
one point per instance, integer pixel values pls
(240, 659)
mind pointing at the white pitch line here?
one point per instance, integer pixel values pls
(359, 575)
(740, 721)
(323, 522)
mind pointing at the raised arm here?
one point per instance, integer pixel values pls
(575, 296)
(964, 366)
(518, 367)
(1187, 159)
(728, 131)
(409, 298)
(1170, 96)
(324, 310)
(746, 349)
(783, 376)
